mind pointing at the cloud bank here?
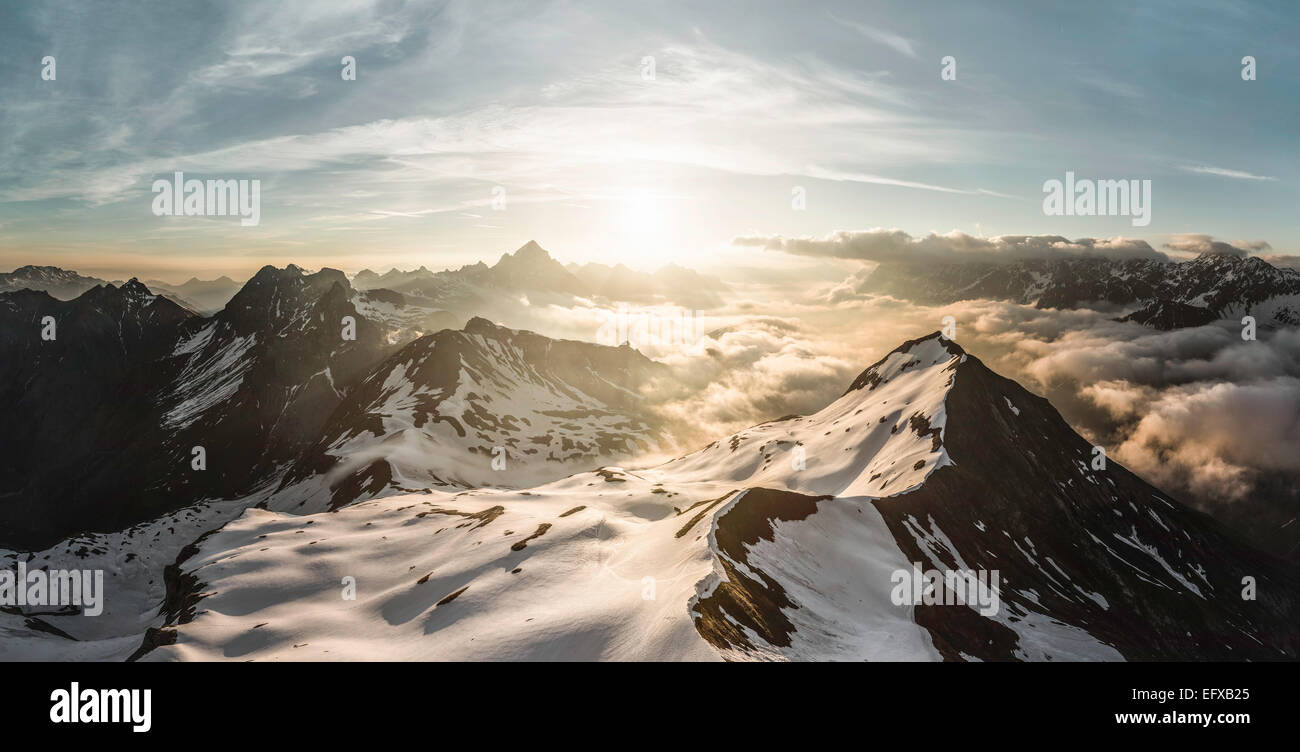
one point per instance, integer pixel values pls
(883, 245)
(1198, 412)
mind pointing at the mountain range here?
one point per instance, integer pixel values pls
(119, 402)
(59, 283)
(308, 474)
(204, 296)
(420, 301)
(780, 542)
(1161, 294)
(510, 290)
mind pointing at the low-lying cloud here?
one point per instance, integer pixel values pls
(1202, 414)
(884, 245)
(1198, 244)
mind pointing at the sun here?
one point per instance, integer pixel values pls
(640, 218)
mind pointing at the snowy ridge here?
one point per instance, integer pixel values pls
(817, 588)
(882, 438)
(487, 406)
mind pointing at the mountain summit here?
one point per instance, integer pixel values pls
(531, 267)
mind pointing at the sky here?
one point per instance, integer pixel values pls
(754, 119)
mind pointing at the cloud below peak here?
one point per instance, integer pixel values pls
(883, 245)
(1199, 244)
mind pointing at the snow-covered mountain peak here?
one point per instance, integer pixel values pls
(882, 437)
(482, 406)
(923, 352)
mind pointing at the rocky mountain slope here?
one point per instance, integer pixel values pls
(75, 384)
(485, 406)
(116, 405)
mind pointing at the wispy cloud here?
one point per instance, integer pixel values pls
(889, 39)
(858, 177)
(1225, 173)
(690, 115)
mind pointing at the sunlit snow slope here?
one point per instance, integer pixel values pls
(486, 406)
(776, 543)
